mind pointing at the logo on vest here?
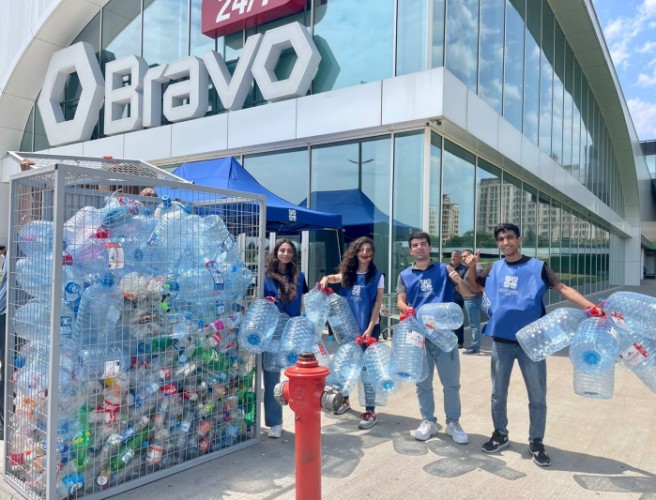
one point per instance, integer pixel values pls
(509, 285)
(425, 287)
(356, 294)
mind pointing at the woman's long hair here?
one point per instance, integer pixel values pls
(287, 289)
(349, 265)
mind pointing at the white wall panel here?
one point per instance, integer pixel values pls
(509, 141)
(482, 120)
(417, 96)
(455, 100)
(349, 109)
(150, 144)
(262, 124)
(203, 135)
(113, 146)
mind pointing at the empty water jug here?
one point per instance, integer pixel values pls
(341, 319)
(446, 340)
(595, 385)
(345, 368)
(317, 308)
(638, 354)
(377, 361)
(258, 325)
(551, 333)
(297, 337)
(634, 312)
(594, 346)
(441, 316)
(408, 350)
(367, 394)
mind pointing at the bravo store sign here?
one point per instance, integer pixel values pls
(136, 96)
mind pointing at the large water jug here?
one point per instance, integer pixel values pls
(317, 307)
(218, 240)
(100, 309)
(408, 350)
(32, 321)
(297, 337)
(377, 361)
(101, 363)
(345, 368)
(34, 274)
(36, 237)
(441, 316)
(595, 385)
(169, 239)
(634, 312)
(594, 346)
(551, 333)
(118, 209)
(321, 353)
(341, 319)
(238, 277)
(100, 254)
(367, 394)
(446, 340)
(258, 326)
(638, 354)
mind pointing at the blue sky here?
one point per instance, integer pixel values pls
(629, 27)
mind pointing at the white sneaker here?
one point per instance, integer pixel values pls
(426, 430)
(455, 431)
(275, 431)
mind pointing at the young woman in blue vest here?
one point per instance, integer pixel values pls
(287, 284)
(514, 287)
(363, 286)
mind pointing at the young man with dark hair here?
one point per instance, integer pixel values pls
(514, 287)
(422, 283)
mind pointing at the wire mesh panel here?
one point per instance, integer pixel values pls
(122, 362)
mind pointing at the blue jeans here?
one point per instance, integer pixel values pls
(369, 396)
(535, 378)
(473, 307)
(272, 409)
(448, 369)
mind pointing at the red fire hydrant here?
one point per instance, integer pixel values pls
(306, 393)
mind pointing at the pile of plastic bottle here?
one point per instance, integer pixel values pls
(622, 330)
(150, 374)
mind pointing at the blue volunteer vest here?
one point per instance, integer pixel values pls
(293, 308)
(362, 297)
(429, 286)
(515, 297)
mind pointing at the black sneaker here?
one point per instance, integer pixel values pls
(496, 443)
(540, 457)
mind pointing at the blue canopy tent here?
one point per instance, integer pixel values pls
(282, 216)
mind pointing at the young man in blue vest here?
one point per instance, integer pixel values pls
(514, 287)
(422, 283)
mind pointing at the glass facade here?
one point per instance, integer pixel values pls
(512, 53)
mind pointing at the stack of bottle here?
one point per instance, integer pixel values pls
(154, 367)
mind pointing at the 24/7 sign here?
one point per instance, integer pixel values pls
(222, 17)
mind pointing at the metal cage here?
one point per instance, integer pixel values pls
(122, 364)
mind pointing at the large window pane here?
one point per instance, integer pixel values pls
(567, 109)
(513, 87)
(355, 43)
(411, 37)
(555, 245)
(408, 196)
(532, 69)
(435, 197)
(170, 17)
(488, 205)
(285, 173)
(198, 43)
(511, 200)
(458, 188)
(490, 81)
(567, 240)
(462, 40)
(546, 78)
(121, 29)
(557, 127)
(437, 44)
(529, 224)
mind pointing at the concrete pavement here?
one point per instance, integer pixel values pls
(599, 449)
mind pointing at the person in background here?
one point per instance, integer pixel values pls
(473, 308)
(461, 269)
(287, 284)
(363, 286)
(148, 191)
(514, 287)
(422, 283)
(3, 256)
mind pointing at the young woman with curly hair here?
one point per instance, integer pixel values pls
(287, 284)
(363, 286)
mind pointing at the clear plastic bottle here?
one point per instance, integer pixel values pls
(595, 346)
(317, 308)
(446, 340)
(32, 321)
(408, 350)
(377, 361)
(633, 311)
(100, 309)
(441, 316)
(550, 333)
(638, 354)
(34, 274)
(321, 353)
(168, 240)
(101, 362)
(118, 209)
(258, 326)
(36, 237)
(598, 385)
(345, 368)
(367, 393)
(341, 319)
(100, 254)
(81, 226)
(297, 337)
